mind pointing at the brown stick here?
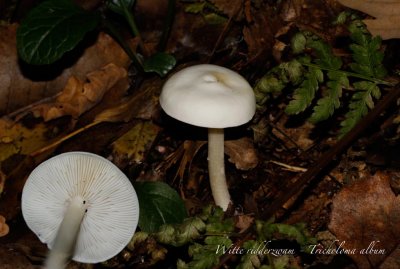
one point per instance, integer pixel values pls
(311, 174)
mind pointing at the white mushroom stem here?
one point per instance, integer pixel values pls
(68, 231)
(216, 167)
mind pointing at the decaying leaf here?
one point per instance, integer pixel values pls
(78, 96)
(2, 180)
(293, 136)
(4, 229)
(242, 153)
(230, 8)
(134, 144)
(386, 13)
(260, 35)
(184, 155)
(11, 258)
(21, 85)
(366, 221)
(15, 138)
(142, 104)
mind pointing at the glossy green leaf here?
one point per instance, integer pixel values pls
(159, 204)
(51, 29)
(161, 63)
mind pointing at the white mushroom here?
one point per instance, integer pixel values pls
(82, 206)
(214, 97)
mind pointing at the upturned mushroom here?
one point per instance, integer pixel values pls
(214, 97)
(82, 206)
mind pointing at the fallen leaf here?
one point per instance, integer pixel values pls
(386, 13)
(230, 8)
(184, 155)
(243, 222)
(142, 104)
(242, 153)
(2, 181)
(260, 35)
(293, 136)
(21, 85)
(366, 218)
(13, 259)
(4, 229)
(133, 146)
(15, 138)
(79, 96)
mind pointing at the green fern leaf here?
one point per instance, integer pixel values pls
(327, 105)
(361, 101)
(277, 79)
(324, 55)
(304, 95)
(366, 52)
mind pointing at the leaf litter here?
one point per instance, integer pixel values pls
(127, 125)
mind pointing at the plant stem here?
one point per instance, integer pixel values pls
(131, 22)
(350, 74)
(167, 25)
(116, 35)
(216, 167)
(64, 243)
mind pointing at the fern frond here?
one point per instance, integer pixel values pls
(304, 95)
(324, 55)
(366, 52)
(361, 101)
(327, 105)
(277, 79)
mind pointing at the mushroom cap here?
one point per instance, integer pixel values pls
(112, 212)
(209, 96)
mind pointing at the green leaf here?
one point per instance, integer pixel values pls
(326, 106)
(323, 51)
(304, 95)
(118, 7)
(51, 29)
(161, 63)
(190, 230)
(214, 18)
(195, 7)
(366, 52)
(159, 204)
(298, 43)
(361, 101)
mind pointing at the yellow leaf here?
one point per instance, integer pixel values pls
(18, 139)
(134, 144)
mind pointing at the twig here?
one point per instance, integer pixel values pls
(224, 32)
(59, 141)
(311, 174)
(290, 167)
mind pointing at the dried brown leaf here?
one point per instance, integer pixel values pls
(366, 213)
(21, 85)
(4, 229)
(384, 26)
(375, 8)
(242, 153)
(260, 35)
(243, 222)
(386, 13)
(78, 96)
(10, 258)
(142, 104)
(230, 8)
